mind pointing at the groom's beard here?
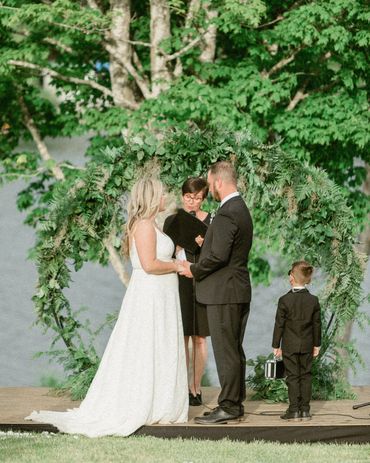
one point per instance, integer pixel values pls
(216, 195)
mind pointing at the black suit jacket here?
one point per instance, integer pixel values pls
(221, 275)
(297, 322)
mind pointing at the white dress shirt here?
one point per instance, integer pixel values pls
(231, 195)
(297, 288)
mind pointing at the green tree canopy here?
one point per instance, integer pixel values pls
(290, 70)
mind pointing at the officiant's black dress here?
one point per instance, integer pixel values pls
(194, 314)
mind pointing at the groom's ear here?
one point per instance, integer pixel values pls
(218, 183)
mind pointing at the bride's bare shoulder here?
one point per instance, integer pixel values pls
(143, 226)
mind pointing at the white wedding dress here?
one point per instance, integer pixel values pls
(142, 376)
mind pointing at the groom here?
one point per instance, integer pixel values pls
(222, 283)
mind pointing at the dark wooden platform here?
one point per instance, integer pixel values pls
(333, 421)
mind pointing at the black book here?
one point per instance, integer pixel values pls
(183, 228)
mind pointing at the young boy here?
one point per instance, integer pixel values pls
(298, 328)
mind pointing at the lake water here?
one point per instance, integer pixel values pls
(100, 290)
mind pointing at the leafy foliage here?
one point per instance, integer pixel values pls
(267, 389)
(308, 217)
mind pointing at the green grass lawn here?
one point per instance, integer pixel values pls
(58, 448)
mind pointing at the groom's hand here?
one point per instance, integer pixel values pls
(186, 272)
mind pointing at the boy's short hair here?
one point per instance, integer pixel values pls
(302, 272)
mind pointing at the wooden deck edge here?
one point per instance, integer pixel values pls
(359, 434)
(287, 434)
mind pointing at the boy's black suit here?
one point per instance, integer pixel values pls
(222, 283)
(298, 328)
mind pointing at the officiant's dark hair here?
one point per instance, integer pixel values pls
(195, 185)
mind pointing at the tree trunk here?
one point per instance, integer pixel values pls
(119, 39)
(209, 40)
(159, 31)
(193, 11)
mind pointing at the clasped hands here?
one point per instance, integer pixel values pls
(183, 268)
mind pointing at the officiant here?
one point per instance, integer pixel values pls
(182, 228)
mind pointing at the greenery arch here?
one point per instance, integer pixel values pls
(297, 212)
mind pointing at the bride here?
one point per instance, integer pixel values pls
(142, 376)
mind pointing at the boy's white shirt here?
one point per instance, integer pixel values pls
(298, 288)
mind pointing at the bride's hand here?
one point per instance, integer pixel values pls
(179, 266)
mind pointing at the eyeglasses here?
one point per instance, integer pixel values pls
(191, 198)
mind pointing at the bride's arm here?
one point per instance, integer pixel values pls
(146, 243)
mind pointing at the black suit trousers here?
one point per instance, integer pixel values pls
(299, 380)
(227, 324)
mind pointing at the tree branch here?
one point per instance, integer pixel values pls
(299, 96)
(41, 146)
(57, 75)
(175, 55)
(274, 21)
(280, 17)
(58, 44)
(141, 82)
(51, 41)
(138, 63)
(79, 29)
(183, 50)
(282, 63)
(140, 43)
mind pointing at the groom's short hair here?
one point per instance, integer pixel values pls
(224, 170)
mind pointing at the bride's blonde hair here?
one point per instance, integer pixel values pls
(144, 203)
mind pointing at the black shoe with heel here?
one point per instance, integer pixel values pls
(195, 400)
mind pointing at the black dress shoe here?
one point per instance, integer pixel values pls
(209, 412)
(241, 413)
(291, 416)
(305, 415)
(199, 397)
(216, 416)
